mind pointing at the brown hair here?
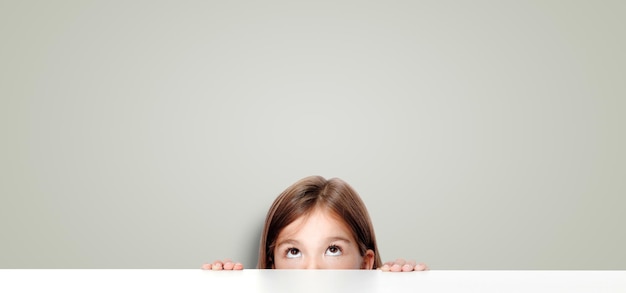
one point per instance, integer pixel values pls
(301, 198)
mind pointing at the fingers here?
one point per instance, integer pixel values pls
(225, 265)
(421, 267)
(386, 266)
(218, 265)
(395, 268)
(230, 266)
(407, 268)
(397, 265)
(207, 266)
(400, 265)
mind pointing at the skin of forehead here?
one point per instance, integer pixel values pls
(290, 230)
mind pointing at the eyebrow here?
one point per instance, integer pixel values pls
(296, 242)
(338, 238)
(288, 241)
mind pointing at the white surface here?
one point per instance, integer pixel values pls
(309, 281)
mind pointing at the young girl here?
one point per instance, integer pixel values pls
(319, 224)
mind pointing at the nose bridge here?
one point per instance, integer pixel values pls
(314, 263)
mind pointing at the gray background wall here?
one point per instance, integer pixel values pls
(153, 134)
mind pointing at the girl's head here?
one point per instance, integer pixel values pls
(318, 223)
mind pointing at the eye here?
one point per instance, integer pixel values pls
(293, 253)
(334, 250)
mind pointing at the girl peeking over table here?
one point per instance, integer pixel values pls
(319, 224)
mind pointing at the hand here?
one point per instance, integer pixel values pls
(226, 265)
(400, 265)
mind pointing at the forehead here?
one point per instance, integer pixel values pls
(319, 223)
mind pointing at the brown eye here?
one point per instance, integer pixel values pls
(333, 250)
(293, 253)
